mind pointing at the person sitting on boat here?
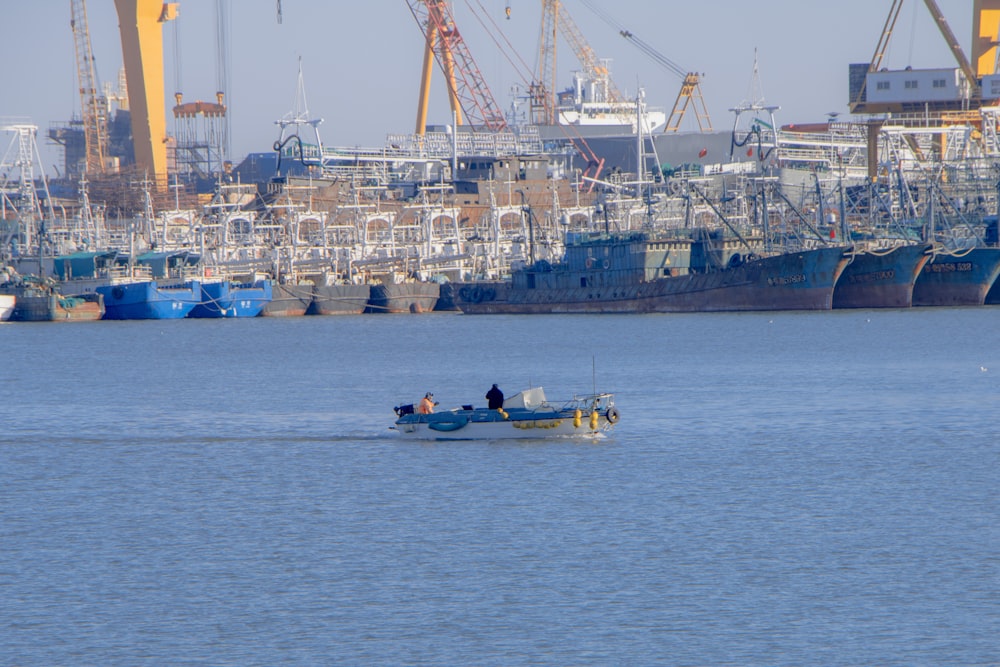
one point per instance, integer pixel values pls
(495, 397)
(426, 406)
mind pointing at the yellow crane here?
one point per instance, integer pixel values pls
(986, 25)
(140, 23)
(93, 112)
(985, 36)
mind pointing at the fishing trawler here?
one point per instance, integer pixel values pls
(639, 272)
(957, 278)
(882, 277)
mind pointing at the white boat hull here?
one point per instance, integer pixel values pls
(7, 302)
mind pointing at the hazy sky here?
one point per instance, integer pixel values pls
(362, 59)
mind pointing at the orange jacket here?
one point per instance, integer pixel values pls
(426, 406)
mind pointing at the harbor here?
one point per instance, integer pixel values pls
(547, 208)
(499, 332)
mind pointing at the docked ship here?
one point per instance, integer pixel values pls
(44, 304)
(38, 300)
(149, 300)
(226, 298)
(338, 297)
(414, 296)
(154, 286)
(957, 278)
(636, 272)
(881, 278)
(290, 299)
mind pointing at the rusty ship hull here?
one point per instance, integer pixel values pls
(803, 280)
(881, 278)
(961, 278)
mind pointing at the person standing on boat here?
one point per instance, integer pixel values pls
(495, 397)
(426, 406)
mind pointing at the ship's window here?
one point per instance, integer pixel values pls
(583, 282)
(531, 281)
(882, 85)
(940, 83)
(910, 85)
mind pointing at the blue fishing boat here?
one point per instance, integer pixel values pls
(224, 298)
(881, 277)
(957, 277)
(526, 415)
(148, 300)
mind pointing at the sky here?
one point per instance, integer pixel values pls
(361, 60)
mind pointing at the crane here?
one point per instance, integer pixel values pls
(858, 104)
(688, 96)
(555, 17)
(92, 106)
(140, 24)
(956, 48)
(467, 89)
(985, 36)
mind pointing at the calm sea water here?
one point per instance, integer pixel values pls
(782, 489)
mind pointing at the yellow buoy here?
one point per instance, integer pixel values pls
(593, 420)
(576, 419)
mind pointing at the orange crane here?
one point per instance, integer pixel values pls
(467, 89)
(94, 114)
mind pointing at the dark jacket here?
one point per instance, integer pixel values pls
(495, 397)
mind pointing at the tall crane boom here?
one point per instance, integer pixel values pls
(554, 15)
(971, 74)
(545, 88)
(689, 96)
(956, 48)
(92, 111)
(140, 23)
(985, 36)
(467, 88)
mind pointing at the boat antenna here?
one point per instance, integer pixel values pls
(593, 366)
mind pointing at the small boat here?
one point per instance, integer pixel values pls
(527, 414)
(38, 300)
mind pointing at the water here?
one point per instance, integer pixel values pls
(782, 489)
